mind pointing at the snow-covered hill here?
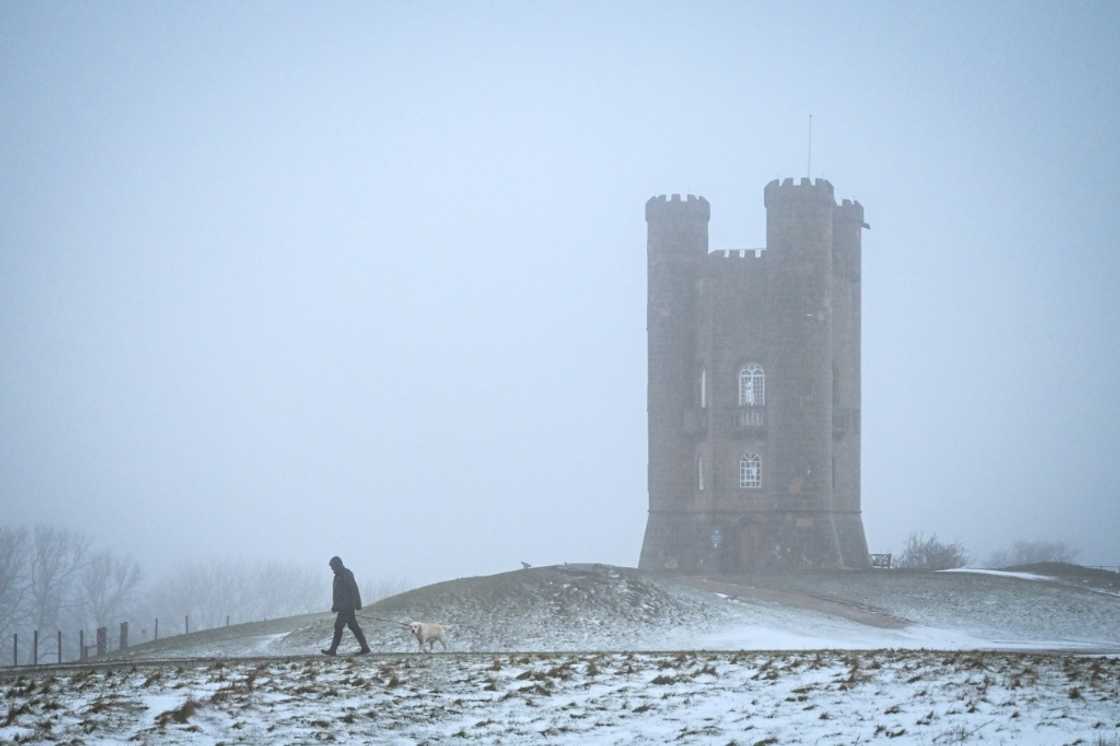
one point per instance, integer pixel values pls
(601, 607)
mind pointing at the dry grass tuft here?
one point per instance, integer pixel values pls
(180, 714)
(14, 712)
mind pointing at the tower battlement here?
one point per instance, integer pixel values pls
(727, 256)
(806, 190)
(850, 211)
(664, 207)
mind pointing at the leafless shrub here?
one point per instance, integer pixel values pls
(1032, 552)
(928, 553)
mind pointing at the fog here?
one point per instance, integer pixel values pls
(282, 281)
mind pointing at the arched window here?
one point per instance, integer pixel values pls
(703, 388)
(700, 473)
(752, 386)
(750, 471)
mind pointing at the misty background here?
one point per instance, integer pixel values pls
(282, 282)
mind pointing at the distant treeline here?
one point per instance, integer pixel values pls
(54, 578)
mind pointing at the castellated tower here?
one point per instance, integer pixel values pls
(754, 388)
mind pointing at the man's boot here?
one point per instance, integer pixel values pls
(361, 640)
(333, 649)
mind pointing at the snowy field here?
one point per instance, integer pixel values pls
(822, 697)
(825, 657)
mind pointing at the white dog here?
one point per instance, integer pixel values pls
(428, 634)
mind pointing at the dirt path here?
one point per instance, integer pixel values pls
(743, 590)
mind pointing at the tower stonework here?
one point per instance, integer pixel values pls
(754, 388)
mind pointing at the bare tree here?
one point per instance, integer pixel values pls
(107, 585)
(1032, 552)
(922, 553)
(281, 588)
(244, 591)
(379, 588)
(13, 578)
(57, 556)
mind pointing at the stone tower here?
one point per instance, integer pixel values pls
(754, 388)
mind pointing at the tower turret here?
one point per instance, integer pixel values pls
(677, 242)
(847, 230)
(677, 228)
(799, 240)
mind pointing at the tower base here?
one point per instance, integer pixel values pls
(731, 543)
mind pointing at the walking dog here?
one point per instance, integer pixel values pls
(429, 634)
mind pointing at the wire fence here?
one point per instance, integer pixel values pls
(37, 649)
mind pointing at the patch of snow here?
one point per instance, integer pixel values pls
(1002, 573)
(157, 704)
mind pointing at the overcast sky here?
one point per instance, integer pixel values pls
(296, 280)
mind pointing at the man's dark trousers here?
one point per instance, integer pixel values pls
(346, 619)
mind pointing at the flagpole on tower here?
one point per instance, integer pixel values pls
(809, 168)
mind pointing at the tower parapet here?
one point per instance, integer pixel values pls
(673, 206)
(850, 212)
(807, 190)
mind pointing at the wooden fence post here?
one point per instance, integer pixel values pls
(186, 624)
(157, 627)
(123, 642)
(60, 646)
(82, 644)
(35, 648)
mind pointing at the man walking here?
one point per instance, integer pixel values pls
(346, 600)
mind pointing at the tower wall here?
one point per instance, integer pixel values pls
(794, 309)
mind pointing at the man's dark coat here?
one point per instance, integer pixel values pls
(346, 596)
